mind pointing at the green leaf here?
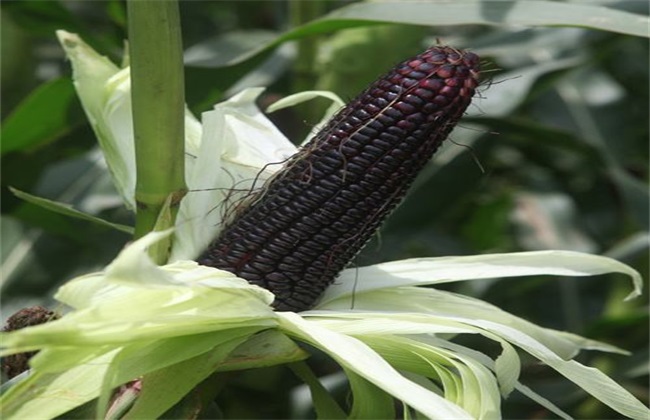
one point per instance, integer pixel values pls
(39, 396)
(636, 195)
(353, 354)
(43, 17)
(129, 363)
(424, 271)
(104, 92)
(267, 348)
(67, 210)
(473, 387)
(494, 13)
(575, 93)
(48, 113)
(341, 68)
(507, 365)
(217, 51)
(35, 216)
(325, 406)
(542, 401)
(368, 400)
(499, 13)
(165, 387)
(298, 98)
(589, 379)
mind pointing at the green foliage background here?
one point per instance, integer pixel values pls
(561, 141)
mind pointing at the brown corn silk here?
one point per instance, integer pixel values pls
(312, 218)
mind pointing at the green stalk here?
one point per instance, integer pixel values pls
(305, 73)
(158, 97)
(301, 12)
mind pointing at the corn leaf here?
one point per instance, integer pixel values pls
(508, 13)
(67, 210)
(425, 271)
(358, 357)
(324, 405)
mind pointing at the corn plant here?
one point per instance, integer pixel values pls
(153, 333)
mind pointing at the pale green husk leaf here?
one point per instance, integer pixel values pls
(353, 354)
(227, 155)
(429, 271)
(239, 150)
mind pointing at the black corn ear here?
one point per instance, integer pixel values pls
(310, 220)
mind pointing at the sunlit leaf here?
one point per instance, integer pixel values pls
(421, 271)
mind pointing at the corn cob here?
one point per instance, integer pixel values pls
(311, 219)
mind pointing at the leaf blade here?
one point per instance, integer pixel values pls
(67, 210)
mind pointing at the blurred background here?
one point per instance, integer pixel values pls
(554, 155)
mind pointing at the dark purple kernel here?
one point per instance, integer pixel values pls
(322, 239)
(381, 102)
(413, 100)
(405, 107)
(390, 160)
(446, 71)
(449, 91)
(440, 100)
(398, 154)
(392, 112)
(453, 57)
(361, 114)
(416, 75)
(432, 84)
(471, 58)
(394, 89)
(374, 125)
(373, 151)
(406, 125)
(462, 71)
(261, 267)
(307, 228)
(370, 108)
(403, 70)
(408, 82)
(437, 58)
(382, 143)
(391, 96)
(430, 108)
(416, 117)
(383, 166)
(385, 119)
(426, 67)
